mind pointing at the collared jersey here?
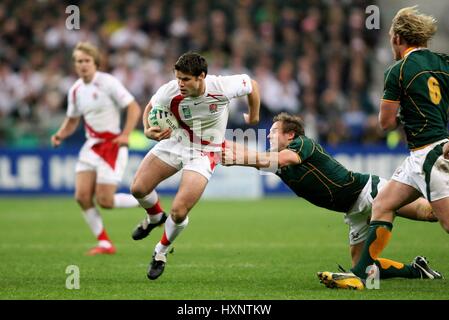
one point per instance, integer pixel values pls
(320, 179)
(204, 118)
(99, 102)
(420, 83)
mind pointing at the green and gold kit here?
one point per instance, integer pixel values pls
(320, 179)
(420, 83)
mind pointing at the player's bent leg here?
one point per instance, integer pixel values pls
(393, 196)
(387, 268)
(191, 188)
(108, 179)
(104, 195)
(419, 268)
(84, 192)
(441, 211)
(125, 200)
(356, 251)
(150, 173)
(420, 210)
(390, 198)
(85, 189)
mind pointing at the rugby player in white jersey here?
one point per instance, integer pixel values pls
(200, 104)
(99, 98)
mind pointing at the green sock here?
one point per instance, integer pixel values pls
(378, 236)
(393, 269)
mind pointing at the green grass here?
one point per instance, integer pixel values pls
(267, 249)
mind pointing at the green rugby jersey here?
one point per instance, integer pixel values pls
(320, 179)
(420, 82)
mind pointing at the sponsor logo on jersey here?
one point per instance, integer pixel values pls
(186, 112)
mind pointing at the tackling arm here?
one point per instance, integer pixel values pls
(235, 154)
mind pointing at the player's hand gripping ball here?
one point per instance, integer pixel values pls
(163, 118)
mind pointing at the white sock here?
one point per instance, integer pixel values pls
(94, 220)
(125, 200)
(172, 230)
(104, 244)
(154, 218)
(149, 201)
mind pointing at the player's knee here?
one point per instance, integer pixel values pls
(138, 191)
(105, 202)
(84, 199)
(377, 208)
(380, 211)
(179, 212)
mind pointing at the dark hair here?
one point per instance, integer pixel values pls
(191, 63)
(290, 123)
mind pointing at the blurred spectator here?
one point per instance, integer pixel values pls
(310, 57)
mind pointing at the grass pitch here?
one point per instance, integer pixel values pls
(266, 249)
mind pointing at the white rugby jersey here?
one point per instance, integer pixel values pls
(204, 117)
(99, 102)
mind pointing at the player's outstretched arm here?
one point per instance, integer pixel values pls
(236, 154)
(67, 128)
(252, 117)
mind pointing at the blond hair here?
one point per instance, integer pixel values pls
(88, 49)
(414, 27)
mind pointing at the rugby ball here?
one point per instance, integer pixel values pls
(163, 118)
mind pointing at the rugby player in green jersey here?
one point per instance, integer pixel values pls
(314, 175)
(416, 95)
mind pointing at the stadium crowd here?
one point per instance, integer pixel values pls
(311, 58)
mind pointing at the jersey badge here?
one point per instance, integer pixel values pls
(186, 112)
(213, 108)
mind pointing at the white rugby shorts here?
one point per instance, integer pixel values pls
(427, 171)
(88, 160)
(180, 156)
(359, 216)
